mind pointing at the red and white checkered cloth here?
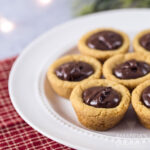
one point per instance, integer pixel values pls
(15, 134)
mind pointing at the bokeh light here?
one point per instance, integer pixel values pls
(45, 2)
(6, 25)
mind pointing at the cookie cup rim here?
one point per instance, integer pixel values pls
(136, 45)
(112, 62)
(68, 58)
(76, 97)
(136, 99)
(101, 54)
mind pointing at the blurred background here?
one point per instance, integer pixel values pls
(21, 21)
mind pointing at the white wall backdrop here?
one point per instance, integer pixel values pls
(30, 19)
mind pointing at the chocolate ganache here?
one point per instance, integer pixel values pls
(105, 40)
(131, 69)
(101, 97)
(145, 97)
(145, 41)
(74, 71)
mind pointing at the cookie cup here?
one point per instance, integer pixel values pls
(64, 88)
(141, 110)
(99, 118)
(112, 62)
(136, 45)
(102, 54)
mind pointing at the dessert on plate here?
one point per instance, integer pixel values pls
(141, 103)
(67, 72)
(129, 69)
(99, 103)
(103, 43)
(141, 42)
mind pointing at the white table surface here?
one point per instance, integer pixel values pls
(31, 19)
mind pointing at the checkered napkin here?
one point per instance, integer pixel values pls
(15, 134)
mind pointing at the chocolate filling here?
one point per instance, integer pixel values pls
(74, 71)
(145, 41)
(101, 97)
(145, 97)
(105, 40)
(131, 69)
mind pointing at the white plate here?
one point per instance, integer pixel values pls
(52, 115)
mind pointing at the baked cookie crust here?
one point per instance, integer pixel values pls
(112, 62)
(99, 118)
(101, 54)
(64, 88)
(136, 45)
(141, 110)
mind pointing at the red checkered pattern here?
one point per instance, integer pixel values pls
(15, 134)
